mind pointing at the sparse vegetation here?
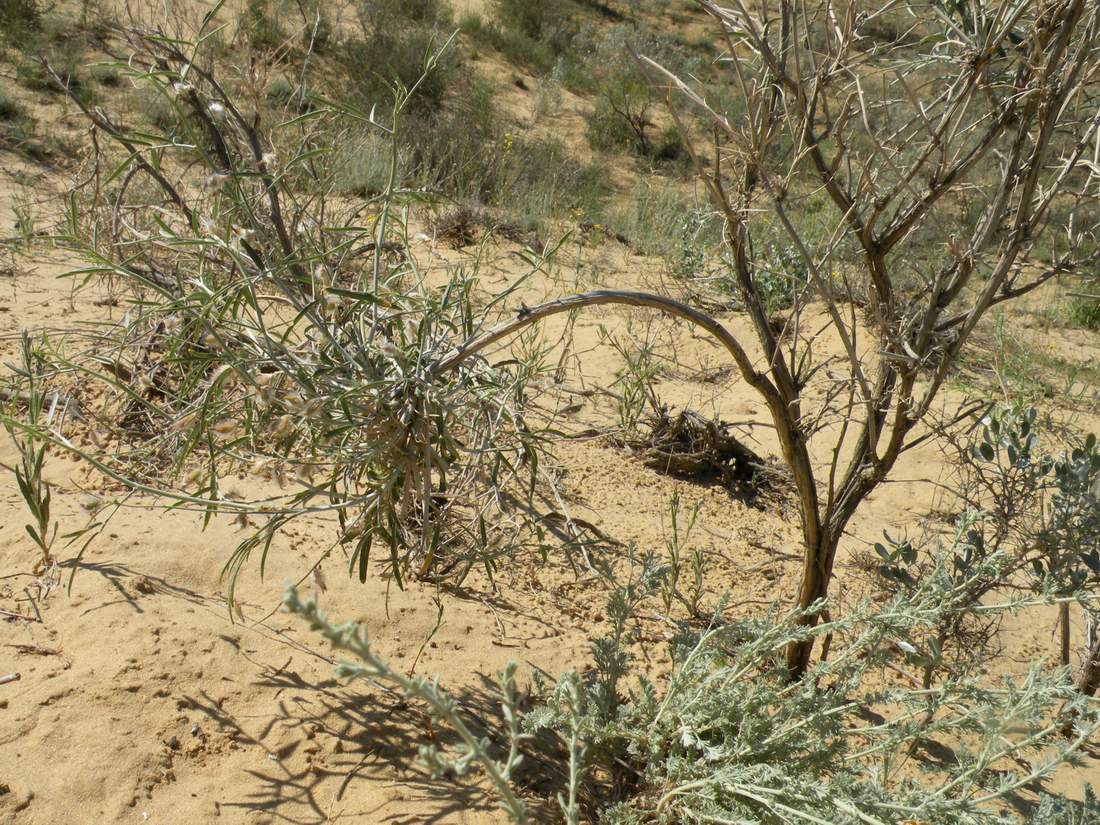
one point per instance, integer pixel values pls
(1084, 311)
(329, 246)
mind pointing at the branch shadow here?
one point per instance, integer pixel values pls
(365, 739)
(142, 585)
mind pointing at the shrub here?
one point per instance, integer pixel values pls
(607, 130)
(105, 74)
(362, 167)
(621, 117)
(17, 19)
(261, 26)
(373, 59)
(723, 737)
(463, 153)
(365, 337)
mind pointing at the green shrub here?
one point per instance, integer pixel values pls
(621, 119)
(17, 19)
(285, 94)
(725, 737)
(362, 168)
(669, 148)
(373, 59)
(261, 26)
(159, 110)
(382, 14)
(32, 75)
(781, 274)
(606, 130)
(347, 295)
(470, 23)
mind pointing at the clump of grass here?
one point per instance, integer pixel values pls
(1084, 311)
(10, 109)
(463, 153)
(362, 167)
(547, 181)
(105, 74)
(18, 134)
(283, 94)
(654, 218)
(67, 62)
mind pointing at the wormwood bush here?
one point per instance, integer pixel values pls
(725, 737)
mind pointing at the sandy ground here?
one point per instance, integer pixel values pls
(141, 699)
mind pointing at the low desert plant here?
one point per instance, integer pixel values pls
(389, 43)
(33, 488)
(10, 108)
(725, 738)
(658, 220)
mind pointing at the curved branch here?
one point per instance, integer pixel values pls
(531, 315)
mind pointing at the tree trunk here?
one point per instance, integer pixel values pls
(1089, 680)
(817, 570)
(1063, 620)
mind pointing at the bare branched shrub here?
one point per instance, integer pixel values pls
(994, 116)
